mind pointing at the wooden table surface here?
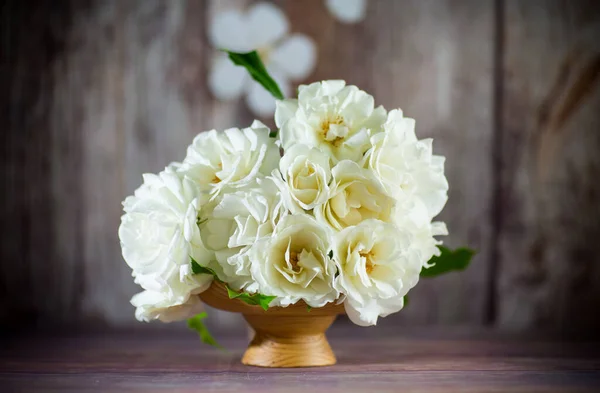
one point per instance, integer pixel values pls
(373, 360)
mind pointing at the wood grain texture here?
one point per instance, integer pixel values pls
(116, 92)
(99, 92)
(129, 94)
(289, 336)
(41, 190)
(136, 122)
(369, 360)
(289, 341)
(550, 122)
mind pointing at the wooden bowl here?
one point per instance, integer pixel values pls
(284, 336)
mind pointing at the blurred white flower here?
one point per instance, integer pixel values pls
(356, 195)
(230, 159)
(406, 166)
(293, 264)
(304, 175)
(158, 235)
(335, 118)
(378, 264)
(347, 11)
(235, 221)
(264, 28)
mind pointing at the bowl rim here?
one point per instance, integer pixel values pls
(216, 296)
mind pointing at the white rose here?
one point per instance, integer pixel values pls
(232, 158)
(412, 216)
(333, 117)
(304, 176)
(158, 235)
(233, 222)
(406, 166)
(377, 266)
(152, 305)
(356, 195)
(293, 264)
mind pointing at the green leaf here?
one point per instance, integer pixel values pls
(232, 294)
(448, 261)
(195, 323)
(405, 301)
(254, 65)
(199, 269)
(308, 308)
(255, 299)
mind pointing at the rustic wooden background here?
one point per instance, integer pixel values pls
(98, 92)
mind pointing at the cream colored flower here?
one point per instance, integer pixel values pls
(356, 195)
(293, 264)
(304, 176)
(406, 166)
(158, 236)
(231, 159)
(378, 264)
(333, 117)
(235, 221)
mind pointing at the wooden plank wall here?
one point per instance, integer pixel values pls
(98, 92)
(549, 123)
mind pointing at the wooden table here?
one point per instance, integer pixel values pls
(372, 360)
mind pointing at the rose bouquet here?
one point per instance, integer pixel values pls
(336, 205)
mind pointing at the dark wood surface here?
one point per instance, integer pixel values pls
(374, 360)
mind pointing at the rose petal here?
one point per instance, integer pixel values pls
(347, 11)
(266, 24)
(296, 56)
(229, 30)
(286, 109)
(226, 81)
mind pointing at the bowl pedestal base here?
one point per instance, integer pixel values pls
(289, 341)
(289, 336)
